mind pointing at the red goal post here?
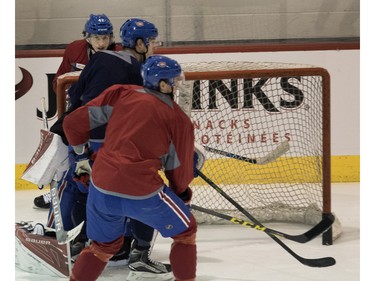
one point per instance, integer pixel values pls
(247, 108)
(63, 83)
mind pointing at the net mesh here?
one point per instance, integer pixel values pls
(250, 117)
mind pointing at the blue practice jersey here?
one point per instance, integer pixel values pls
(105, 68)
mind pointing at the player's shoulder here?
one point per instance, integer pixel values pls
(124, 88)
(122, 55)
(81, 43)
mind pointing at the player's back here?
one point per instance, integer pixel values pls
(140, 133)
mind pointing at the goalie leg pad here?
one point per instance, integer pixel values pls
(40, 254)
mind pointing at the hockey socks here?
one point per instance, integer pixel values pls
(183, 259)
(93, 259)
(88, 267)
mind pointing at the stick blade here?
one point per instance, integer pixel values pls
(63, 237)
(273, 155)
(318, 229)
(321, 262)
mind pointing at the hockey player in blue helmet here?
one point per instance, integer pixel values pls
(134, 29)
(98, 32)
(135, 188)
(138, 39)
(159, 69)
(98, 36)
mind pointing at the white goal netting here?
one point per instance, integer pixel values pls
(248, 109)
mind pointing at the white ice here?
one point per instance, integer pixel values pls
(236, 253)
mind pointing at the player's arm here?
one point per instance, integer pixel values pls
(78, 124)
(64, 67)
(74, 52)
(180, 165)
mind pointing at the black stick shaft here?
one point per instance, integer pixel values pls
(319, 262)
(318, 229)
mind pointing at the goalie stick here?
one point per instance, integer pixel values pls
(44, 113)
(273, 155)
(322, 226)
(62, 236)
(318, 262)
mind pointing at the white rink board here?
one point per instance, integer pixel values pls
(343, 67)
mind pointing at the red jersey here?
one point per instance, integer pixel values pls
(76, 56)
(146, 131)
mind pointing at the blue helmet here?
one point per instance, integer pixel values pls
(134, 29)
(158, 68)
(99, 25)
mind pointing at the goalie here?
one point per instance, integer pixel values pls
(125, 175)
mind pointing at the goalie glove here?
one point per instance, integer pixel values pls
(199, 158)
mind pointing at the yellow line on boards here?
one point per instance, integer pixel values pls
(283, 170)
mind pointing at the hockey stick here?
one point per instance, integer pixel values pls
(319, 262)
(44, 113)
(62, 236)
(273, 155)
(322, 226)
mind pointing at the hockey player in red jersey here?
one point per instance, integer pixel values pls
(98, 33)
(146, 132)
(98, 36)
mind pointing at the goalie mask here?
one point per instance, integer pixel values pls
(161, 68)
(134, 29)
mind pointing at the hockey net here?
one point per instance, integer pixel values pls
(248, 109)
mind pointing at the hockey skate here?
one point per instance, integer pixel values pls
(43, 201)
(143, 268)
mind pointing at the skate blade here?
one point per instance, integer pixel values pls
(118, 263)
(141, 275)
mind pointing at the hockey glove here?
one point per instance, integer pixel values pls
(82, 169)
(186, 195)
(195, 164)
(199, 158)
